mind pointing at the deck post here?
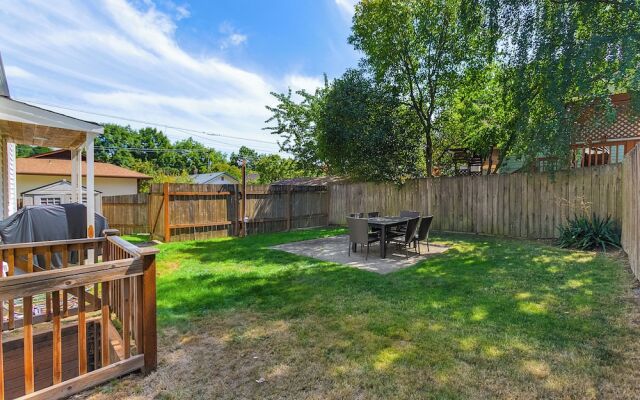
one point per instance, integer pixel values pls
(91, 200)
(149, 332)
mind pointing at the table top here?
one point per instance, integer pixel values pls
(388, 220)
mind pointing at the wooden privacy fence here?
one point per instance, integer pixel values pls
(70, 320)
(282, 208)
(193, 212)
(190, 212)
(128, 213)
(527, 205)
(631, 209)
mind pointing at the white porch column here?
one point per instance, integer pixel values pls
(91, 206)
(9, 182)
(78, 187)
(74, 176)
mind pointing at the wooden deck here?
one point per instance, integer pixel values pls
(92, 315)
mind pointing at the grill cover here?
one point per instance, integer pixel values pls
(45, 223)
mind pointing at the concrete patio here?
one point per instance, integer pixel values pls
(334, 249)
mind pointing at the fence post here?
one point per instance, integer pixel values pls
(167, 227)
(149, 330)
(289, 190)
(236, 195)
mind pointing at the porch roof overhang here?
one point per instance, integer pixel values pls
(24, 123)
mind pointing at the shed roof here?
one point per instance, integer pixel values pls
(206, 178)
(59, 186)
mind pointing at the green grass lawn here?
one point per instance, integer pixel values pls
(491, 318)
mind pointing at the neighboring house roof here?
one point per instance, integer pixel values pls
(44, 166)
(62, 154)
(55, 187)
(309, 181)
(202, 179)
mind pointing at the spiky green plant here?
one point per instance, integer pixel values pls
(592, 233)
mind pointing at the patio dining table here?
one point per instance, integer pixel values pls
(384, 223)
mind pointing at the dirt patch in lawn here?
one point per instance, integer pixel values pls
(238, 357)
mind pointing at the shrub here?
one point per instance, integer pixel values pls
(586, 233)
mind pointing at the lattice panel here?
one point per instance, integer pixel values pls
(626, 126)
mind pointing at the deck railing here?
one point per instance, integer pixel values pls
(75, 313)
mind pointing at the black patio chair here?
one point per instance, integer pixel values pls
(423, 233)
(374, 214)
(401, 229)
(359, 234)
(408, 237)
(356, 215)
(409, 214)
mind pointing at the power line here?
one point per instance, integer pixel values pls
(186, 130)
(150, 150)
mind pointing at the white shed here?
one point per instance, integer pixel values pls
(60, 192)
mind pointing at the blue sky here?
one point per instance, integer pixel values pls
(200, 65)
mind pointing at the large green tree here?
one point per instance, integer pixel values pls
(559, 58)
(365, 132)
(244, 153)
(191, 156)
(295, 119)
(420, 48)
(478, 116)
(115, 144)
(23, 150)
(272, 168)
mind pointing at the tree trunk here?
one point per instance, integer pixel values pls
(490, 160)
(428, 151)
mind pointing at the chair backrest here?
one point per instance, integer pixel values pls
(409, 214)
(373, 214)
(425, 224)
(412, 225)
(357, 215)
(358, 230)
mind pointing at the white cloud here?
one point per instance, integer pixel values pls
(114, 58)
(182, 12)
(346, 6)
(232, 37)
(14, 72)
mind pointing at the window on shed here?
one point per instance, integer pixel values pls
(50, 201)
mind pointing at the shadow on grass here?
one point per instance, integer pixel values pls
(483, 301)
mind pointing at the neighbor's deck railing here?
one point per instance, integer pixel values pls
(103, 286)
